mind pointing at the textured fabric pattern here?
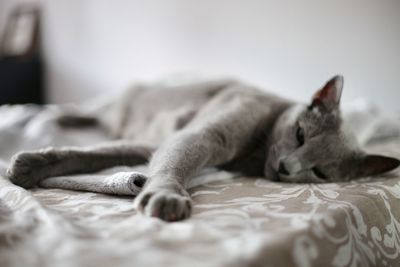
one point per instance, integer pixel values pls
(237, 221)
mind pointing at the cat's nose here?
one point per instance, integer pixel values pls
(282, 169)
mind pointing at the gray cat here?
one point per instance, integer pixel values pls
(233, 126)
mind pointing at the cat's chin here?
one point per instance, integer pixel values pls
(271, 174)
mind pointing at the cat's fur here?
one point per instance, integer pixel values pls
(226, 124)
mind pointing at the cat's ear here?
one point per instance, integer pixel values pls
(370, 165)
(327, 99)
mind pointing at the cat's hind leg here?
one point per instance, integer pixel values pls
(30, 167)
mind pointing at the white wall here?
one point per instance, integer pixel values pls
(291, 47)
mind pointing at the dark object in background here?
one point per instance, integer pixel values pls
(21, 68)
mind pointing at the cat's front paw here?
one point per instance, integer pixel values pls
(167, 205)
(26, 168)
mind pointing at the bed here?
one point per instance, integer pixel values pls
(237, 221)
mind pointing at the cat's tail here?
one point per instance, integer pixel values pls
(77, 121)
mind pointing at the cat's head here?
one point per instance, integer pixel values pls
(309, 144)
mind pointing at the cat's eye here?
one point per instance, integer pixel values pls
(300, 136)
(317, 172)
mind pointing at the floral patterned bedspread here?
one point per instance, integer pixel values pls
(237, 221)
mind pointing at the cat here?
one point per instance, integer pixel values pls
(233, 126)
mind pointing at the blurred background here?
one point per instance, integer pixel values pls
(94, 47)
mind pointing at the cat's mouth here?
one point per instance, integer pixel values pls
(275, 175)
(278, 177)
(282, 178)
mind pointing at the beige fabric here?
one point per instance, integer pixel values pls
(239, 222)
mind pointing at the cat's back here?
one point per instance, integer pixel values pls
(152, 113)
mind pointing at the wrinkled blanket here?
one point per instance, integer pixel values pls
(237, 221)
